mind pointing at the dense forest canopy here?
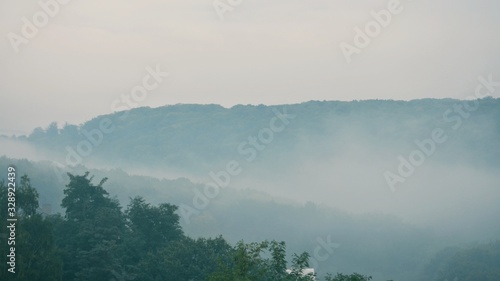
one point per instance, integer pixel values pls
(96, 240)
(190, 137)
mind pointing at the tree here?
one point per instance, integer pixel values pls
(27, 197)
(91, 236)
(185, 259)
(278, 260)
(96, 241)
(249, 264)
(52, 131)
(152, 226)
(37, 257)
(299, 264)
(481, 262)
(352, 277)
(83, 199)
(149, 230)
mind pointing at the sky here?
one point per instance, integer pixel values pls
(91, 54)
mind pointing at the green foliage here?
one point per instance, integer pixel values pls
(27, 197)
(153, 226)
(37, 257)
(249, 262)
(372, 244)
(345, 277)
(91, 235)
(479, 263)
(84, 200)
(299, 263)
(278, 262)
(170, 135)
(185, 259)
(96, 241)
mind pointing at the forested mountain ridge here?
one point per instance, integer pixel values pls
(194, 138)
(334, 154)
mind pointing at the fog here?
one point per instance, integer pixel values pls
(271, 53)
(344, 167)
(322, 174)
(21, 150)
(378, 149)
(441, 194)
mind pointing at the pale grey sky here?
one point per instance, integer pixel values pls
(271, 52)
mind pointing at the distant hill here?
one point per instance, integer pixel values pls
(194, 138)
(300, 173)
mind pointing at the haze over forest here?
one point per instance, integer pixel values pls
(297, 173)
(233, 140)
